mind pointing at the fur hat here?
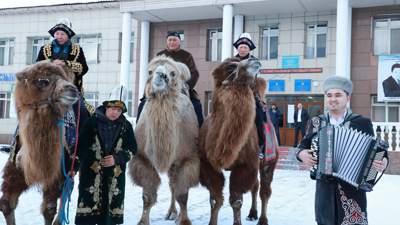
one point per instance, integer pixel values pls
(116, 99)
(174, 34)
(338, 82)
(244, 38)
(65, 25)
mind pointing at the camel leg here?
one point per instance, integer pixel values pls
(242, 179)
(266, 175)
(172, 212)
(49, 204)
(213, 180)
(183, 175)
(146, 176)
(13, 186)
(253, 214)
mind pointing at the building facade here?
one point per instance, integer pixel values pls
(98, 28)
(299, 46)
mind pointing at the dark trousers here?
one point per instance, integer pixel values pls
(278, 136)
(196, 105)
(299, 127)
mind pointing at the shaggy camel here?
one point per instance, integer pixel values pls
(228, 140)
(167, 133)
(43, 94)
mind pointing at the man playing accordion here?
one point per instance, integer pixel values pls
(337, 202)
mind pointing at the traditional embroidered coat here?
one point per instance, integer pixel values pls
(102, 189)
(336, 202)
(75, 60)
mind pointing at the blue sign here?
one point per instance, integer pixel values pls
(7, 77)
(290, 62)
(302, 85)
(276, 85)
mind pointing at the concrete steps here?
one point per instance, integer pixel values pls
(287, 159)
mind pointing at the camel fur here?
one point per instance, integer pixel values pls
(167, 133)
(43, 93)
(228, 138)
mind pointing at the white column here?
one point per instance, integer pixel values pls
(125, 49)
(343, 38)
(227, 32)
(144, 55)
(237, 29)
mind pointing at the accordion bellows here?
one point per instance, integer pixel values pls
(346, 154)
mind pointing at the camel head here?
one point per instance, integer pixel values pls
(232, 71)
(165, 77)
(45, 83)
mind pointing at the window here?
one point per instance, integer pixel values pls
(181, 35)
(385, 111)
(387, 36)
(120, 48)
(6, 52)
(269, 42)
(36, 43)
(214, 44)
(91, 47)
(5, 102)
(316, 40)
(92, 98)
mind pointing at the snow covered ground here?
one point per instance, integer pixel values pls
(291, 203)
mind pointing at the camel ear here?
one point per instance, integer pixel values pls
(21, 75)
(184, 71)
(254, 66)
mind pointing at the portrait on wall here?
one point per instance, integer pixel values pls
(389, 78)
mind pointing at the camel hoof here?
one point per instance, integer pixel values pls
(262, 221)
(141, 222)
(171, 215)
(5, 207)
(252, 215)
(183, 222)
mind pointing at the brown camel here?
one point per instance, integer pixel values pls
(43, 93)
(167, 133)
(228, 140)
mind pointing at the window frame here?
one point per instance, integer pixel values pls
(5, 113)
(387, 105)
(9, 51)
(31, 57)
(268, 36)
(316, 32)
(388, 29)
(78, 39)
(209, 51)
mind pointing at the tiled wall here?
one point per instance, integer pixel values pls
(364, 64)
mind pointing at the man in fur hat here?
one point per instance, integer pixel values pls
(107, 144)
(337, 202)
(244, 45)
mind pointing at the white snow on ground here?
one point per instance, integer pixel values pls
(291, 202)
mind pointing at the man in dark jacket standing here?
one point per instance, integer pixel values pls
(276, 117)
(300, 121)
(337, 202)
(175, 52)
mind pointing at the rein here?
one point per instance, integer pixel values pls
(69, 177)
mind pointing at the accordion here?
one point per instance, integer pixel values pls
(346, 154)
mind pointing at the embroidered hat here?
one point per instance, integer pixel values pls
(65, 25)
(244, 38)
(338, 82)
(116, 99)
